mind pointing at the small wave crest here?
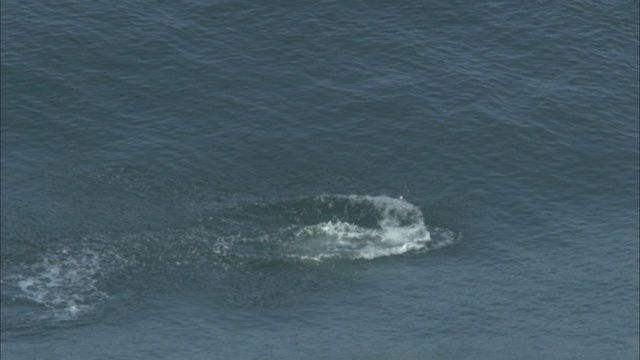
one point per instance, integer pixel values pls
(365, 227)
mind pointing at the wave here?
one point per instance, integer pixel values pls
(228, 249)
(365, 227)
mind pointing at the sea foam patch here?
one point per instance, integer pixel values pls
(63, 282)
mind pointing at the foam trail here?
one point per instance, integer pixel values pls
(63, 283)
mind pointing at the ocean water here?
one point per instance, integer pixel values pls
(320, 180)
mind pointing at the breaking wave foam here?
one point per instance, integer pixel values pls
(70, 281)
(367, 227)
(63, 282)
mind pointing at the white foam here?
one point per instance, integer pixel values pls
(63, 283)
(400, 229)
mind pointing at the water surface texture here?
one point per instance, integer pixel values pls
(320, 180)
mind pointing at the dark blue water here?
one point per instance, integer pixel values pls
(320, 180)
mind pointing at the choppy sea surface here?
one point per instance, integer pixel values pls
(320, 180)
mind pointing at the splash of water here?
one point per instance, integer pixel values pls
(399, 228)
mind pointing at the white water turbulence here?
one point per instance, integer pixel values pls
(70, 281)
(63, 283)
(366, 227)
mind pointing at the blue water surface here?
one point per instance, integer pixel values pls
(320, 180)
